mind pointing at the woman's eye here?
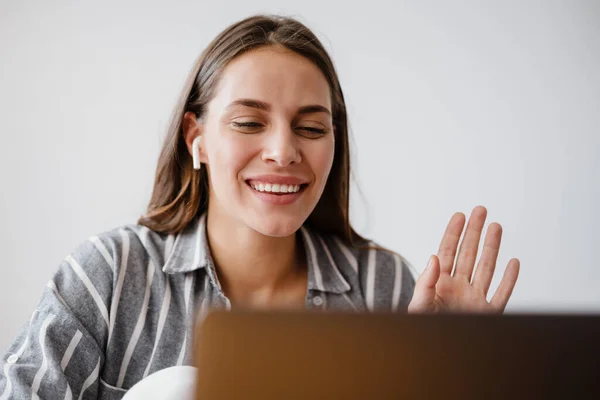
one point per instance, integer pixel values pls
(308, 131)
(311, 131)
(247, 125)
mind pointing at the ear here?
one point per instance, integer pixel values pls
(192, 128)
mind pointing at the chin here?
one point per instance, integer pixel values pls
(276, 225)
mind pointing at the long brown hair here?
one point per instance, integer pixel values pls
(181, 193)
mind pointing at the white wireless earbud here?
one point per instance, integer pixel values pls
(196, 152)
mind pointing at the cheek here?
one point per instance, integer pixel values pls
(320, 158)
(227, 155)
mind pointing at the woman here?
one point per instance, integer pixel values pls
(249, 209)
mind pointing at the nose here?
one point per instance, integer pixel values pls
(281, 148)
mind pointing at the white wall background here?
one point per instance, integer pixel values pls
(452, 104)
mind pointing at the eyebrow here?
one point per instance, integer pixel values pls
(261, 105)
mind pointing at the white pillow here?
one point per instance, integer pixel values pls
(167, 384)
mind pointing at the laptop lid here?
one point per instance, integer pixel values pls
(309, 355)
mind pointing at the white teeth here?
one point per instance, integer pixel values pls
(275, 188)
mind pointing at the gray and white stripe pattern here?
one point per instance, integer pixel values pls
(124, 304)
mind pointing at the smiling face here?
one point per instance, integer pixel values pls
(267, 141)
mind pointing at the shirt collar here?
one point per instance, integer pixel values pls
(191, 252)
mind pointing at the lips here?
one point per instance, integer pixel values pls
(277, 179)
(276, 189)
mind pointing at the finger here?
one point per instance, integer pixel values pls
(506, 286)
(431, 275)
(467, 254)
(424, 293)
(449, 244)
(487, 263)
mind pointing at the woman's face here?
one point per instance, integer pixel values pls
(268, 141)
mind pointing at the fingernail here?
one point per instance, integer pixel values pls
(430, 263)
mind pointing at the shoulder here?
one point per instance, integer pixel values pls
(96, 264)
(384, 260)
(103, 265)
(120, 246)
(386, 278)
(368, 256)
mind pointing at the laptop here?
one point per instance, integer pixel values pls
(317, 355)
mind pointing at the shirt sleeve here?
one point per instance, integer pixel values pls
(60, 352)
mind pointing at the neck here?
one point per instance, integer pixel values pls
(256, 270)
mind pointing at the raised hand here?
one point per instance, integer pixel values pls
(442, 289)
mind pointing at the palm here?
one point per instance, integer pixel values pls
(450, 283)
(458, 295)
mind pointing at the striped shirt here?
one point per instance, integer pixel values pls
(124, 304)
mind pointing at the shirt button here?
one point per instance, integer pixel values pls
(12, 359)
(317, 301)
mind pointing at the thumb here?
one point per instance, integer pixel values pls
(424, 294)
(431, 274)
